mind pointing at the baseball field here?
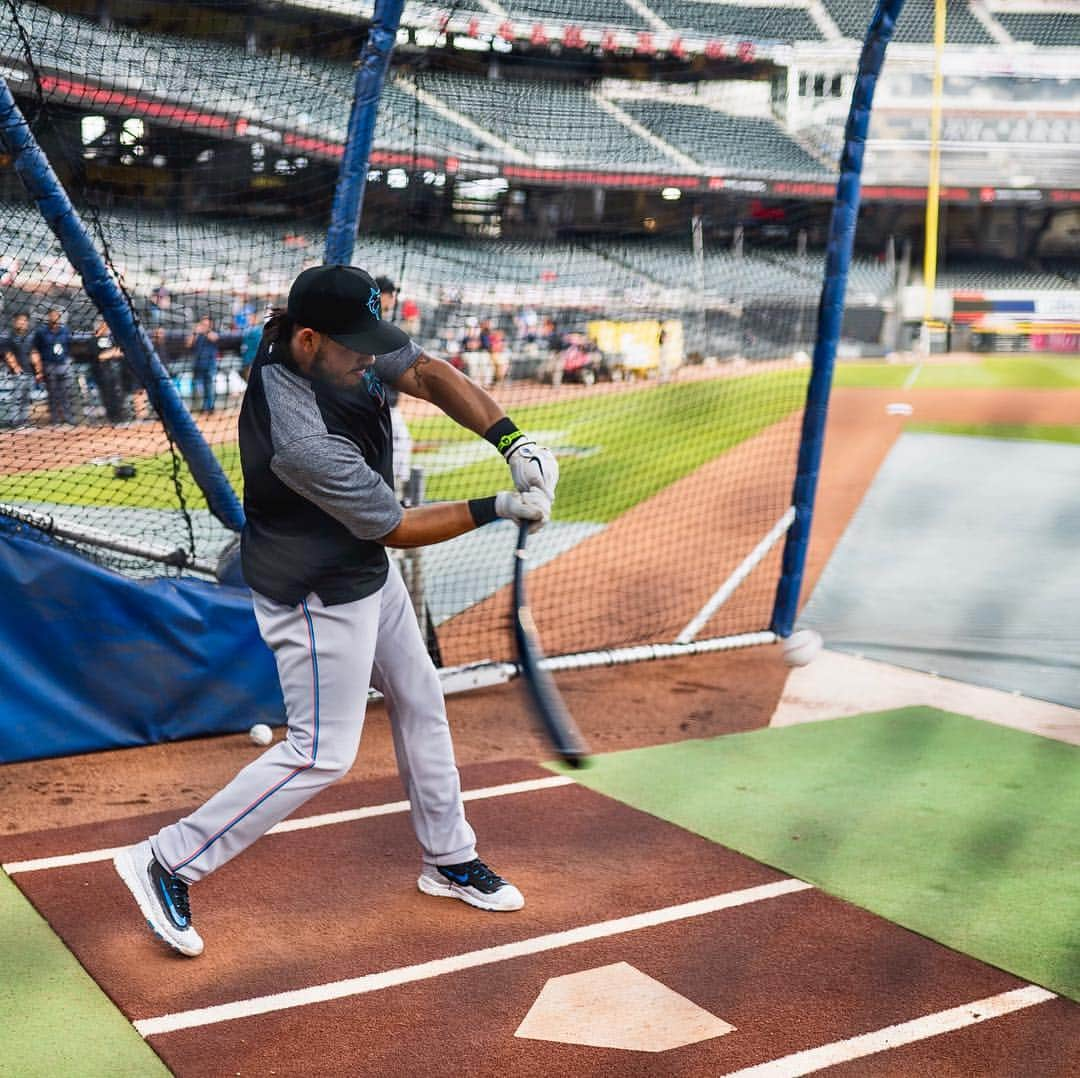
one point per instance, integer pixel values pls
(882, 885)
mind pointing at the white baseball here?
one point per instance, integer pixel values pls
(802, 647)
(261, 734)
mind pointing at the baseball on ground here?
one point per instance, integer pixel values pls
(261, 734)
(802, 647)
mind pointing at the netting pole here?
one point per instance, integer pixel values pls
(831, 312)
(44, 187)
(933, 186)
(370, 74)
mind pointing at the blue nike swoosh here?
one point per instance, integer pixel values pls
(455, 877)
(178, 920)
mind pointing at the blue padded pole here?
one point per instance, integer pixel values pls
(831, 313)
(352, 179)
(45, 189)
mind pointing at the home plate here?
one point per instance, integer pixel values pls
(617, 1006)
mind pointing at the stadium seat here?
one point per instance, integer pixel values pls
(779, 23)
(720, 140)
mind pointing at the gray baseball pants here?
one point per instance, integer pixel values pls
(326, 658)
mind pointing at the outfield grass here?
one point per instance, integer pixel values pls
(993, 372)
(632, 444)
(623, 448)
(1034, 432)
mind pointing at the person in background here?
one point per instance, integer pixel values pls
(24, 363)
(244, 314)
(249, 345)
(160, 303)
(202, 342)
(496, 341)
(159, 338)
(549, 333)
(476, 348)
(52, 341)
(110, 375)
(402, 439)
(410, 317)
(526, 323)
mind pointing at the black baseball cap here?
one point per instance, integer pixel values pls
(386, 284)
(343, 303)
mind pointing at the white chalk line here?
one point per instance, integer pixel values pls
(375, 982)
(882, 1040)
(325, 819)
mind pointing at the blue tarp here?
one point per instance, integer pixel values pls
(92, 660)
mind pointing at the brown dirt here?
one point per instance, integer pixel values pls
(647, 574)
(790, 973)
(32, 448)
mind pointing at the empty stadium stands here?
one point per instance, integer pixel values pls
(556, 123)
(989, 276)
(915, 24)
(543, 122)
(212, 263)
(718, 140)
(1050, 28)
(734, 20)
(609, 13)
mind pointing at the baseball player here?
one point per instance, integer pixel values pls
(316, 450)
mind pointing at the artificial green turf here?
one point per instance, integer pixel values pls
(54, 1020)
(1036, 432)
(961, 830)
(623, 448)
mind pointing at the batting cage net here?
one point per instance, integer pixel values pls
(615, 220)
(544, 230)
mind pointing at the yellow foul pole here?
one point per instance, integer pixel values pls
(933, 186)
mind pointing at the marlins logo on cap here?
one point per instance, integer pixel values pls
(343, 303)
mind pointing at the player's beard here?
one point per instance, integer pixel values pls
(320, 369)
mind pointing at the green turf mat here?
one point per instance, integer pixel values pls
(54, 1020)
(963, 831)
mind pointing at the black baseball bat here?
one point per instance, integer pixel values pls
(547, 703)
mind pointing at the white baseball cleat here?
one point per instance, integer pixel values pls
(472, 882)
(162, 898)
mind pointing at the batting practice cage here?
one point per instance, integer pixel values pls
(634, 223)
